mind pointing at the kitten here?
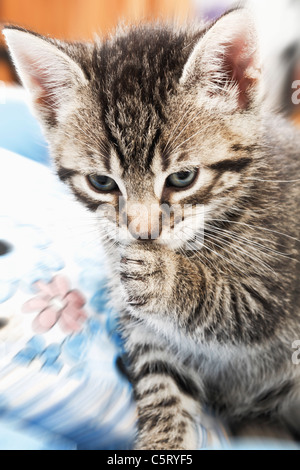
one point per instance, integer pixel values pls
(165, 116)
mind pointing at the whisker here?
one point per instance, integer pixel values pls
(199, 254)
(240, 250)
(175, 129)
(182, 130)
(273, 181)
(246, 241)
(222, 257)
(86, 145)
(256, 227)
(186, 140)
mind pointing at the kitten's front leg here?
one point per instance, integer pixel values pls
(167, 394)
(166, 415)
(161, 288)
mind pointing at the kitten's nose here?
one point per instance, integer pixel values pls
(141, 232)
(138, 235)
(144, 223)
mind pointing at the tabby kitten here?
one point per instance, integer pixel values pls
(168, 116)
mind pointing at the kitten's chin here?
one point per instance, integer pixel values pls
(172, 245)
(175, 245)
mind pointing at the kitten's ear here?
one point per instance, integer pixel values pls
(225, 60)
(47, 72)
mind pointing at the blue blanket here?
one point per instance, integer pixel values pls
(19, 130)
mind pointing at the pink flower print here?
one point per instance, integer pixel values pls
(57, 304)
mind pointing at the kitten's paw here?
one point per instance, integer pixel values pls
(144, 276)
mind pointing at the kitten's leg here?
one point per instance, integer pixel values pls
(167, 396)
(162, 291)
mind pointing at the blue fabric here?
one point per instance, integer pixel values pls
(20, 132)
(14, 437)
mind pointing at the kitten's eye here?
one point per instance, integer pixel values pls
(102, 183)
(181, 179)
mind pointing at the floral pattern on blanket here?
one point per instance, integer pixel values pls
(60, 336)
(56, 303)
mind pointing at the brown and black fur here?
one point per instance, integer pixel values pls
(207, 328)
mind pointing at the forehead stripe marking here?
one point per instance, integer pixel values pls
(231, 165)
(152, 147)
(65, 173)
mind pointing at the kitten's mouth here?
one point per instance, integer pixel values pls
(192, 243)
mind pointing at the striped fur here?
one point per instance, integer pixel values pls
(211, 327)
